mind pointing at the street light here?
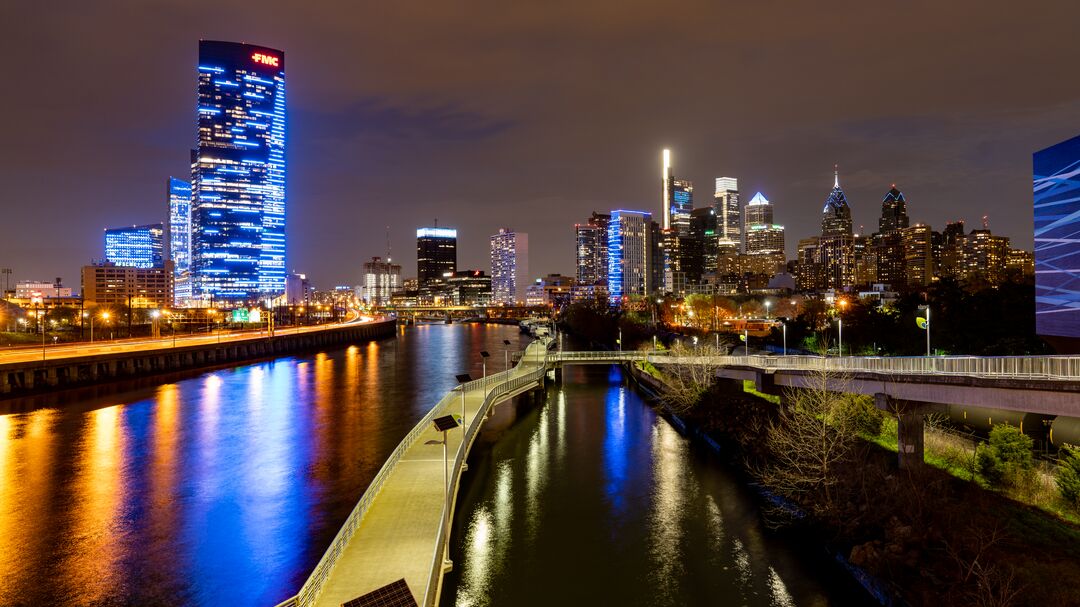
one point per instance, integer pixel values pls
(784, 326)
(444, 424)
(506, 355)
(483, 359)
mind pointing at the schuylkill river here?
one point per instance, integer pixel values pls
(225, 487)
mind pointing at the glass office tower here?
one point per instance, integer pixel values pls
(238, 174)
(1056, 191)
(136, 246)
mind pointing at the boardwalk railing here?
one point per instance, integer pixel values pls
(497, 392)
(309, 592)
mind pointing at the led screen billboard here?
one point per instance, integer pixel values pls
(1057, 239)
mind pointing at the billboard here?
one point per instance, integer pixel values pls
(1057, 239)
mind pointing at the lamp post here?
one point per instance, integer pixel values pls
(483, 360)
(840, 336)
(104, 317)
(444, 424)
(784, 326)
(746, 341)
(928, 330)
(506, 355)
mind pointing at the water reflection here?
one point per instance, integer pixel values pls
(214, 488)
(616, 508)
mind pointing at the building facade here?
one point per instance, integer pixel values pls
(1056, 191)
(178, 236)
(108, 284)
(509, 267)
(590, 251)
(238, 174)
(436, 255)
(835, 247)
(381, 279)
(136, 246)
(630, 242)
(728, 212)
(762, 237)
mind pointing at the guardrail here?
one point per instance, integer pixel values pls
(309, 592)
(497, 392)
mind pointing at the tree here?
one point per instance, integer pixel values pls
(814, 433)
(689, 374)
(1068, 477)
(1007, 458)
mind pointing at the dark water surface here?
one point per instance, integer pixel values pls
(220, 488)
(590, 498)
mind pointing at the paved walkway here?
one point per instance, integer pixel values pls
(396, 538)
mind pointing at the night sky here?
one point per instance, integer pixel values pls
(489, 114)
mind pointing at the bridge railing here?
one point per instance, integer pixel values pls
(494, 393)
(309, 592)
(1049, 367)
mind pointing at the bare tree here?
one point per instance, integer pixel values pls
(689, 372)
(809, 439)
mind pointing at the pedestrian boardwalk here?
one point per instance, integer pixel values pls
(397, 529)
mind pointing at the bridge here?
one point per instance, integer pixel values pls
(398, 531)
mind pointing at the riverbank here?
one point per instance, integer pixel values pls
(929, 537)
(105, 363)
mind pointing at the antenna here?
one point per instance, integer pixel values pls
(388, 244)
(986, 222)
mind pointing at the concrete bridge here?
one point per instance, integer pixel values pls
(398, 531)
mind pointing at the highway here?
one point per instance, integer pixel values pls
(23, 354)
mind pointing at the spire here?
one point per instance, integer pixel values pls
(836, 175)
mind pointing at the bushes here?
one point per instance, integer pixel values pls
(867, 419)
(1007, 459)
(1068, 477)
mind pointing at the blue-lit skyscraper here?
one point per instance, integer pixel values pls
(630, 255)
(238, 174)
(135, 246)
(178, 237)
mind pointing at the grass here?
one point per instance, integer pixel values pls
(748, 387)
(648, 367)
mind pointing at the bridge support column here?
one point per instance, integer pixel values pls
(910, 422)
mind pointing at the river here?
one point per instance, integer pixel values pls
(211, 488)
(591, 498)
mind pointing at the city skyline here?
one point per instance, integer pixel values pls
(959, 154)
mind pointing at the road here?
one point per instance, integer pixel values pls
(68, 350)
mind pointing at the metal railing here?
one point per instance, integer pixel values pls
(496, 393)
(1035, 367)
(500, 385)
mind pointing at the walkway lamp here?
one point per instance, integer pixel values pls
(463, 378)
(783, 325)
(506, 354)
(483, 359)
(444, 424)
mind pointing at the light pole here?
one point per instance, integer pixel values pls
(927, 330)
(620, 339)
(444, 424)
(784, 326)
(483, 360)
(840, 336)
(104, 317)
(746, 341)
(506, 355)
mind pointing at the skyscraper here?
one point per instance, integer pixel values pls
(238, 173)
(889, 243)
(836, 239)
(728, 223)
(762, 238)
(509, 266)
(677, 198)
(630, 249)
(893, 212)
(436, 254)
(918, 255)
(1056, 191)
(381, 279)
(703, 238)
(178, 236)
(591, 250)
(136, 246)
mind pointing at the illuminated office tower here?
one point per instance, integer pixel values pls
(590, 240)
(678, 199)
(238, 174)
(918, 255)
(509, 267)
(764, 240)
(436, 255)
(837, 261)
(135, 246)
(631, 251)
(728, 223)
(178, 236)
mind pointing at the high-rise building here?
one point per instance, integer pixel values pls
(836, 239)
(630, 248)
(893, 212)
(761, 237)
(591, 250)
(436, 254)
(381, 279)
(469, 288)
(703, 230)
(136, 246)
(178, 236)
(728, 223)
(888, 242)
(1056, 189)
(678, 198)
(983, 257)
(509, 267)
(238, 174)
(809, 274)
(918, 255)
